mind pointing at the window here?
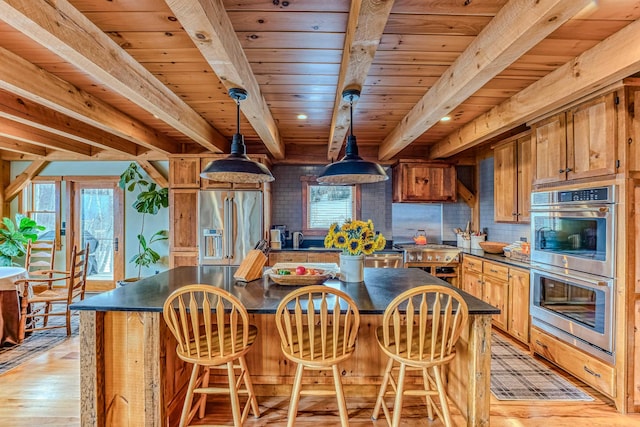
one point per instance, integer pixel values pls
(43, 206)
(322, 205)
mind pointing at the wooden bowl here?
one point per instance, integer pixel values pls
(300, 280)
(493, 247)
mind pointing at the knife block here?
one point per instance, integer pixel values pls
(251, 267)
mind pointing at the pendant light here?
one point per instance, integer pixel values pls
(352, 169)
(237, 167)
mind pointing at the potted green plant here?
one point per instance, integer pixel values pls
(15, 236)
(149, 201)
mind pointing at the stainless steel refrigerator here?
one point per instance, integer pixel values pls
(231, 224)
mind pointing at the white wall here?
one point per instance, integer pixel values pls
(132, 219)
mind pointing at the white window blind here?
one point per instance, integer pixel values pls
(329, 204)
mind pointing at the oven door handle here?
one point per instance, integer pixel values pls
(598, 210)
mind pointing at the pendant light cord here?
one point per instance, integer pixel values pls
(351, 114)
(238, 115)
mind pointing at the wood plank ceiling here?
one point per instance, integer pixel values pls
(125, 79)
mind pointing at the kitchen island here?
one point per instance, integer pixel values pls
(130, 374)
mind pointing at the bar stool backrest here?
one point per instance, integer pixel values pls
(423, 324)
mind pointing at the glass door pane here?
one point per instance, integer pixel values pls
(96, 229)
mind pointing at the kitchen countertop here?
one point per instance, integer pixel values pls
(262, 296)
(323, 249)
(497, 258)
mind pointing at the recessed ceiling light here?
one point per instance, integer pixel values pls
(302, 116)
(445, 119)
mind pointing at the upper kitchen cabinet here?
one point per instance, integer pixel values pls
(184, 172)
(418, 181)
(512, 179)
(578, 143)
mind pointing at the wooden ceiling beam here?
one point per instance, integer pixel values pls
(517, 27)
(15, 108)
(31, 135)
(35, 84)
(21, 147)
(210, 28)
(367, 20)
(154, 173)
(22, 180)
(63, 29)
(606, 63)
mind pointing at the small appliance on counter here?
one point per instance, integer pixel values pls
(276, 238)
(298, 238)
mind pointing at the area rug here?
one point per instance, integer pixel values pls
(35, 344)
(516, 375)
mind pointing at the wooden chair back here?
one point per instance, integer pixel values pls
(423, 324)
(40, 256)
(77, 280)
(318, 324)
(207, 322)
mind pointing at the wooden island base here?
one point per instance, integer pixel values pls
(130, 372)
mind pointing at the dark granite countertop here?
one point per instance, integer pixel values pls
(372, 296)
(497, 258)
(323, 249)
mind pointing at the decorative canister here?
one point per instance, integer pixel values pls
(352, 268)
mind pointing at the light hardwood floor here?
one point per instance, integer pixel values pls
(45, 391)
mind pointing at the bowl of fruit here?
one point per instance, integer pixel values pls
(300, 275)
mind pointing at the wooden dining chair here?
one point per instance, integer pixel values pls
(41, 295)
(213, 331)
(39, 261)
(318, 326)
(419, 331)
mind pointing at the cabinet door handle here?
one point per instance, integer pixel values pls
(561, 171)
(514, 214)
(569, 169)
(590, 372)
(492, 270)
(422, 180)
(541, 344)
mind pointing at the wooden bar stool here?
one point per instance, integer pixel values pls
(213, 331)
(420, 328)
(318, 327)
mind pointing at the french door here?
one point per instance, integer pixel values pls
(96, 218)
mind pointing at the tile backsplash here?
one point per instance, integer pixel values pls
(286, 198)
(397, 221)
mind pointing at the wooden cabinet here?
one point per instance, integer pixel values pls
(504, 287)
(418, 181)
(495, 291)
(578, 143)
(183, 220)
(304, 256)
(519, 304)
(592, 371)
(276, 257)
(512, 180)
(184, 172)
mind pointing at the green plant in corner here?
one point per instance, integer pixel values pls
(15, 236)
(150, 200)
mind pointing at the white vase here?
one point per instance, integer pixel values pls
(352, 268)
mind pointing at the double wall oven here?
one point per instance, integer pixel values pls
(573, 266)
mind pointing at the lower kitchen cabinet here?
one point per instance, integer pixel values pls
(504, 287)
(592, 371)
(304, 256)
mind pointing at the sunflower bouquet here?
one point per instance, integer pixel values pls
(354, 237)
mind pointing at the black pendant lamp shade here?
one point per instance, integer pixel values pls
(352, 169)
(237, 167)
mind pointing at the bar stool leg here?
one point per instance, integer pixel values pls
(383, 389)
(426, 379)
(397, 408)
(442, 392)
(203, 399)
(249, 385)
(342, 404)
(233, 391)
(295, 396)
(188, 400)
